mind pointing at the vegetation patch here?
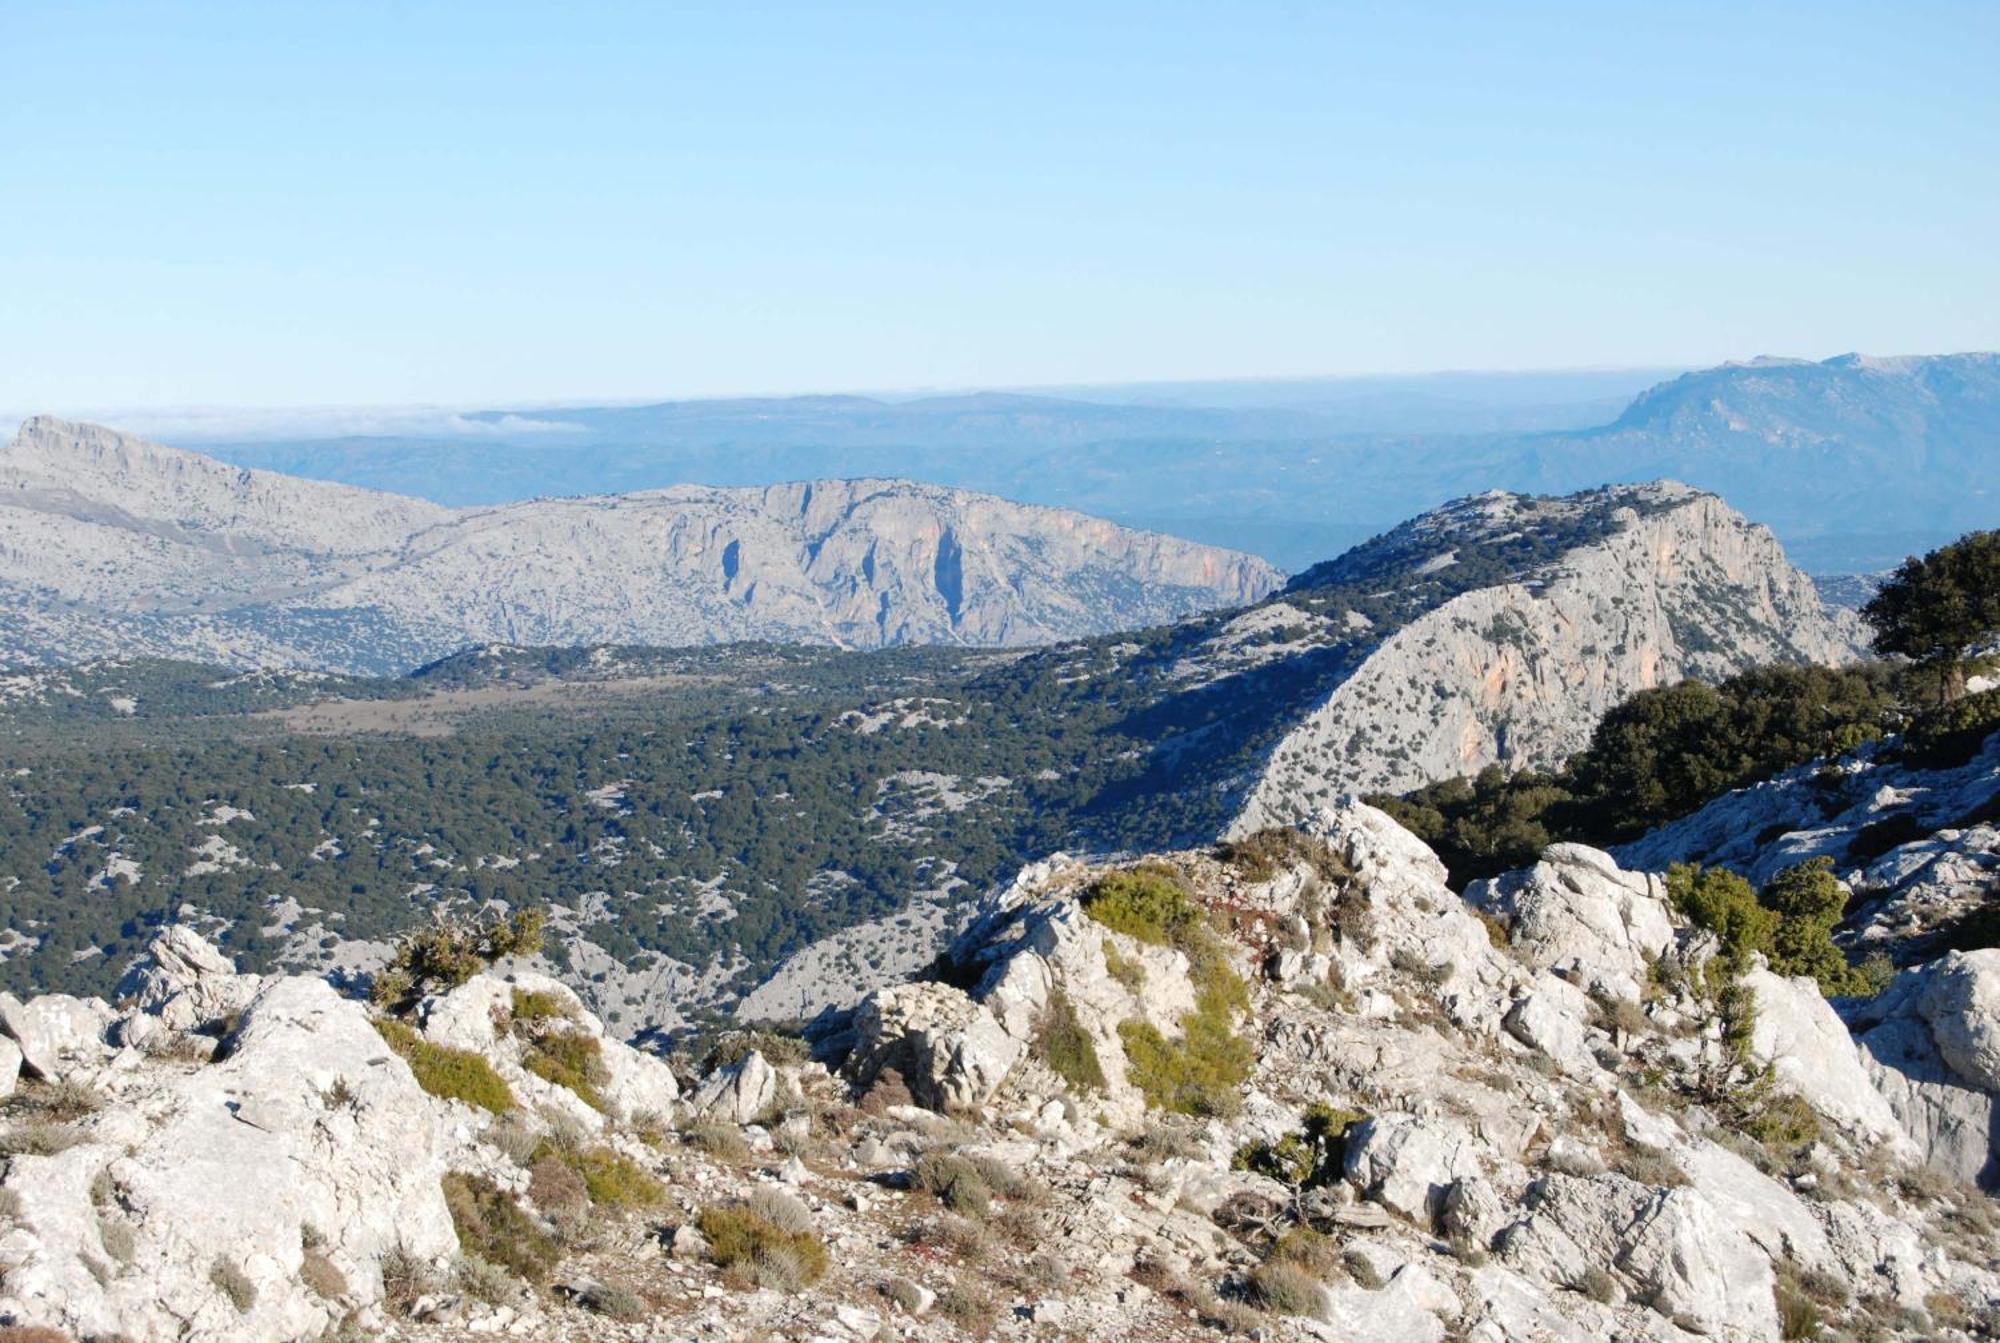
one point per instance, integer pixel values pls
(569, 1059)
(611, 1179)
(492, 1226)
(955, 1182)
(1065, 1046)
(1791, 922)
(451, 1074)
(1311, 1156)
(761, 1253)
(450, 950)
(1274, 850)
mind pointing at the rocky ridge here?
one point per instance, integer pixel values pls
(1522, 1116)
(168, 553)
(1641, 587)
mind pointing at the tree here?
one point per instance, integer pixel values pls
(1941, 609)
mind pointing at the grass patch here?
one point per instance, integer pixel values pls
(756, 1250)
(453, 1074)
(1287, 1289)
(1123, 968)
(569, 1059)
(233, 1283)
(1269, 852)
(492, 1227)
(1149, 903)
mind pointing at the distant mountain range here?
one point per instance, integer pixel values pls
(112, 545)
(1853, 461)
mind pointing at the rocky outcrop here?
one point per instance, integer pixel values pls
(1518, 671)
(170, 553)
(307, 1137)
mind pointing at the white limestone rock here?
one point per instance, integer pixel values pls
(1795, 1031)
(1580, 915)
(56, 1033)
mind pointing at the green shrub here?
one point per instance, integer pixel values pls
(451, 950)
(1201, 1073)
(1314, 1251)
(1065, 1046)
(533, 1009)
(1791, 922)
(1308, 1158)
(612, 1179)
(493, 1227)
(742, 1243)
(1123, 968)
(1148, 903)
(571, 1059)
(452, 1074)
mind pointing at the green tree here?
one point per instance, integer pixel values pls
(1941, 609)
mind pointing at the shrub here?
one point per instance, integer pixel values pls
(1310, 1157)
(31, 1333)
(233, 1283)
(1148, 903)
(1288, 1290)
(954, 1182)
(533, 1009)
(569, 1059)
(615, 1302)
(556, 1188)
(1261, 856)
(1599, 1285)
(1725, 904)
(612, 1179)
(780, 1210)
(1951, 736)
(748, 1246)
(1065, 1046)
(718, 1139)
(321, 1276)
(451, 950)
(780, 1049)
(1314, 1251)
(1123, 968)
(494, 1228)
(38, 1137)
(1201, 1073)
(453, 1074)
(119, 1239)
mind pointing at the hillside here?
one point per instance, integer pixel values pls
(111, 545)
(708, 820)
(1291, 1089)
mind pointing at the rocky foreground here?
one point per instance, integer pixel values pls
(1292, 1088)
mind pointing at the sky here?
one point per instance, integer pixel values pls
(307, 205)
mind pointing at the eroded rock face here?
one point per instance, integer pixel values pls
(951, 1051)
(1798, 1034)
(1925, 1046)
(1519, 673)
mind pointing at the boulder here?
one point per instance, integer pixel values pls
(10, 1067)
(1577, 913)
(1407, 1162)
(57, 1033)
(184, 982)
(1552, 1016)
(739, 1092)
(1796, 1032)
(1693, 1269)
(951, 1051)
(1960, 997)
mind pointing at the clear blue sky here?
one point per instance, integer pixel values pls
(280, 203)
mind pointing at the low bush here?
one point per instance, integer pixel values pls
(451, 950)
(569, 1059)
(752, 1248)
(953, 1181)
(1948, 737)
(1307, 1158)
(1265, 854)
(1288, 1290)
(1065, 1046)
(39, 1137)
(611, 1179)
(1149, 903)
(452, 1074)
(1123, 968)
(1791, 922)
(492, 1226)
(233, 1283)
